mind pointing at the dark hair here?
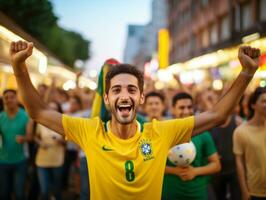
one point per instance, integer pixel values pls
(123, 69)
(9, 90)
(155, 94)
(181, 95)
(254, 98)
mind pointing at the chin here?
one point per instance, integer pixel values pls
(125, 120)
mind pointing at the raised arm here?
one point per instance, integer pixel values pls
(249, 59)
(36, 108)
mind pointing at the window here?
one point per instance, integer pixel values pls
(193, 43)
(263, 10)
(246, 16)
(205, 38)
(237, 18)
(214, 34)
(204, 2)
(225, 28)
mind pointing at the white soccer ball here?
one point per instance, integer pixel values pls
(183, 154)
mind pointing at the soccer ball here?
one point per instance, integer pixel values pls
(183, 154)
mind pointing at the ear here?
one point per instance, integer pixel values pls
(106, 101)
(142, 99)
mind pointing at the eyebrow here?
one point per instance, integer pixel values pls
(119, 86)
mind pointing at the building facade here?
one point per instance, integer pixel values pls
(198, 27)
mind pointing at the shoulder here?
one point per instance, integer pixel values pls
(93, 122)
(242, 128)
(78, 118)
(22, 112)
(2, 113)
(169, 122)
(242, 132)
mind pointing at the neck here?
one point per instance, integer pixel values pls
(12, 111)
(123, 131)
(258, 120)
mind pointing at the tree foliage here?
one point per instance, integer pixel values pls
(38, 19)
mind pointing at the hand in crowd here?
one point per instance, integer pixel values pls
(20, 51)
(245, 195)
(185, 173)
(249, 58)
(20, 139)
(188, 173)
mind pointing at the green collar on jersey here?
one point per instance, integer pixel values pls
(140, 126)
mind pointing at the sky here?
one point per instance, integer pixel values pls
(103, 22)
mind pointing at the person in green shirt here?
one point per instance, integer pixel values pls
(189, 183)
(13, 163)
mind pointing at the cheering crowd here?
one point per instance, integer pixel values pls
(37, 162)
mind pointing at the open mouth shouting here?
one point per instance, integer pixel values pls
(124, 109)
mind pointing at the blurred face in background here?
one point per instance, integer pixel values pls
(183, 108)
(10, 100)
(260, 106)
(154, 107)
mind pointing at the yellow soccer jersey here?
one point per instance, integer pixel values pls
(131, 168)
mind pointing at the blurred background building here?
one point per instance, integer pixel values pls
(205, 36)
(200, 41)
(145, 37)
(201, 26)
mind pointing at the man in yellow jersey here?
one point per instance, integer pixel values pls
(126, 160)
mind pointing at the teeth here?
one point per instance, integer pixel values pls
(124, 106)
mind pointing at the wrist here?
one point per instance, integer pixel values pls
(19, 69)
(196, 171)
(246, 73)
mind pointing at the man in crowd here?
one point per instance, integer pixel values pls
(250, 150)
(179, 180)
(122, 153)
(13, 162)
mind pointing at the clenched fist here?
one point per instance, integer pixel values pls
(20, 51)
(249, 59)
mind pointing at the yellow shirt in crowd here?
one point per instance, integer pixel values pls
(53, 155)
(250, 141)
(131, 168)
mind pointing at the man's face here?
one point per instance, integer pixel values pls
(183, 108)
(260, 105)
(154, 107)
(123, 98)
(10, 100)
